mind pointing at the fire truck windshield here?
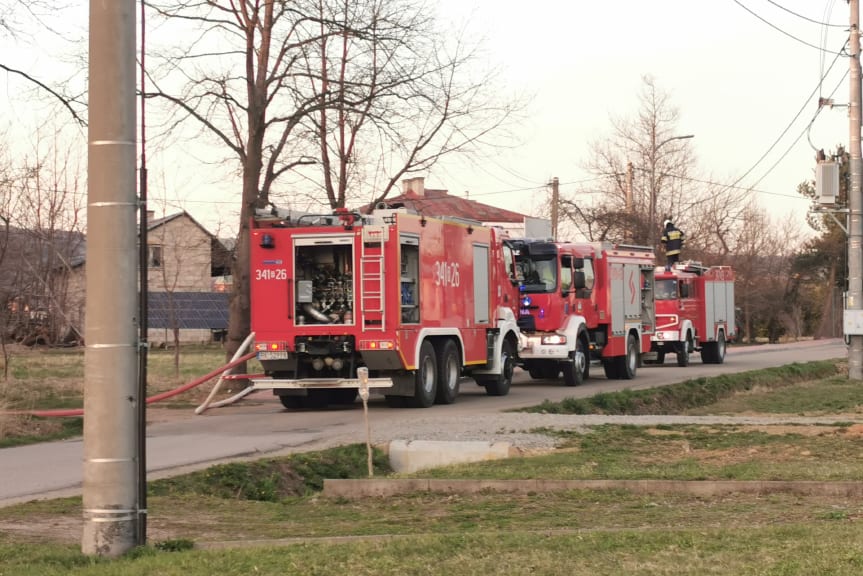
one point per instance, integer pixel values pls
(540, 275)
(666, 290)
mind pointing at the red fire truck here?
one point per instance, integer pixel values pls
(694, 311)
(584, 303)
(419, 302)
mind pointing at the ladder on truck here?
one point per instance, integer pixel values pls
(372, 309)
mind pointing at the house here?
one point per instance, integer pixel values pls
(186, 271)
(416, 197)
(38, 303)
(183, 258)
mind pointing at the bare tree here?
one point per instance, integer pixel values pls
(402, 97)
(761, 253)
(644, 175)
(358, 88)
(16, 17)
(44, 241)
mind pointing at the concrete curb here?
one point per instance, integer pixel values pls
(354, 488)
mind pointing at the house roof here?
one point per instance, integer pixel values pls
(192, 310)
(157, 222)
(440, 203)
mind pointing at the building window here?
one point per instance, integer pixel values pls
(154, 258)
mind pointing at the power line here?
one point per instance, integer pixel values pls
(778, 29)
(791, 123)
(792, 12)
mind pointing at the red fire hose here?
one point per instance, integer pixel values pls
(150, 400)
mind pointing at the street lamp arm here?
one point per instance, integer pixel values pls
(667, 140)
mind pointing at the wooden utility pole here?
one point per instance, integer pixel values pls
(111, 402)
(854, 307)
(555, 202)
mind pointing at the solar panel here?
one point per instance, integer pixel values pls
(188, 310)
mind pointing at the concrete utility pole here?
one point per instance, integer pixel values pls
(855, 201)
(555, 201)
(110, 362)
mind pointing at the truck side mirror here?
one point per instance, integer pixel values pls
(578, 280)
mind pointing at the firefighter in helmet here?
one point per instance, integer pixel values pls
(672, 240)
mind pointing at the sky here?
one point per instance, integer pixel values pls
(745, 75)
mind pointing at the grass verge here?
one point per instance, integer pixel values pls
(268, 517)
(695, 393)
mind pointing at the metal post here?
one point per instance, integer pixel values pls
(855, 201)
(110, 394)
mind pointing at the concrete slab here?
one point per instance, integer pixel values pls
(414, 455)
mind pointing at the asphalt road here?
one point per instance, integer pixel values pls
(258, 424)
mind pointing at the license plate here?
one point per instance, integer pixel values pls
(273, 355)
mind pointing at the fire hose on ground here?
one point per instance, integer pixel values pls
(223, 373)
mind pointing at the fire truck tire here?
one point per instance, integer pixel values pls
(425, 385)
(344, 395)
(293, 402)
(610, 368)
(683, 352)
(628, 363)
(318, 398)
(714, 352)
(575, 371)
(449, 372)
(499, 384)
(660, 357)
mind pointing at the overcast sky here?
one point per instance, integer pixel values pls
(746, 85)
(738, 81)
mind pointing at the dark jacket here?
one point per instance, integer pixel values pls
(673, 240)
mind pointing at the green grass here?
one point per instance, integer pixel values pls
(574, 532)
(45, 379)
(570, 534)
(695, 393)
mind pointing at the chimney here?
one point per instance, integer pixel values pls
(415, 185)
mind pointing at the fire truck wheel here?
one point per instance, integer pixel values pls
(293, 402)
(683, 353)
(344, 395)
(714, 352)
(318, 398)
(720, 349)
(425, 385)
(499, 385)
(449, 372)
(575, 371)
(627, 364)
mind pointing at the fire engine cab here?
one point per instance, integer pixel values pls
(694, 312)
(418, 302)
(584, 303)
